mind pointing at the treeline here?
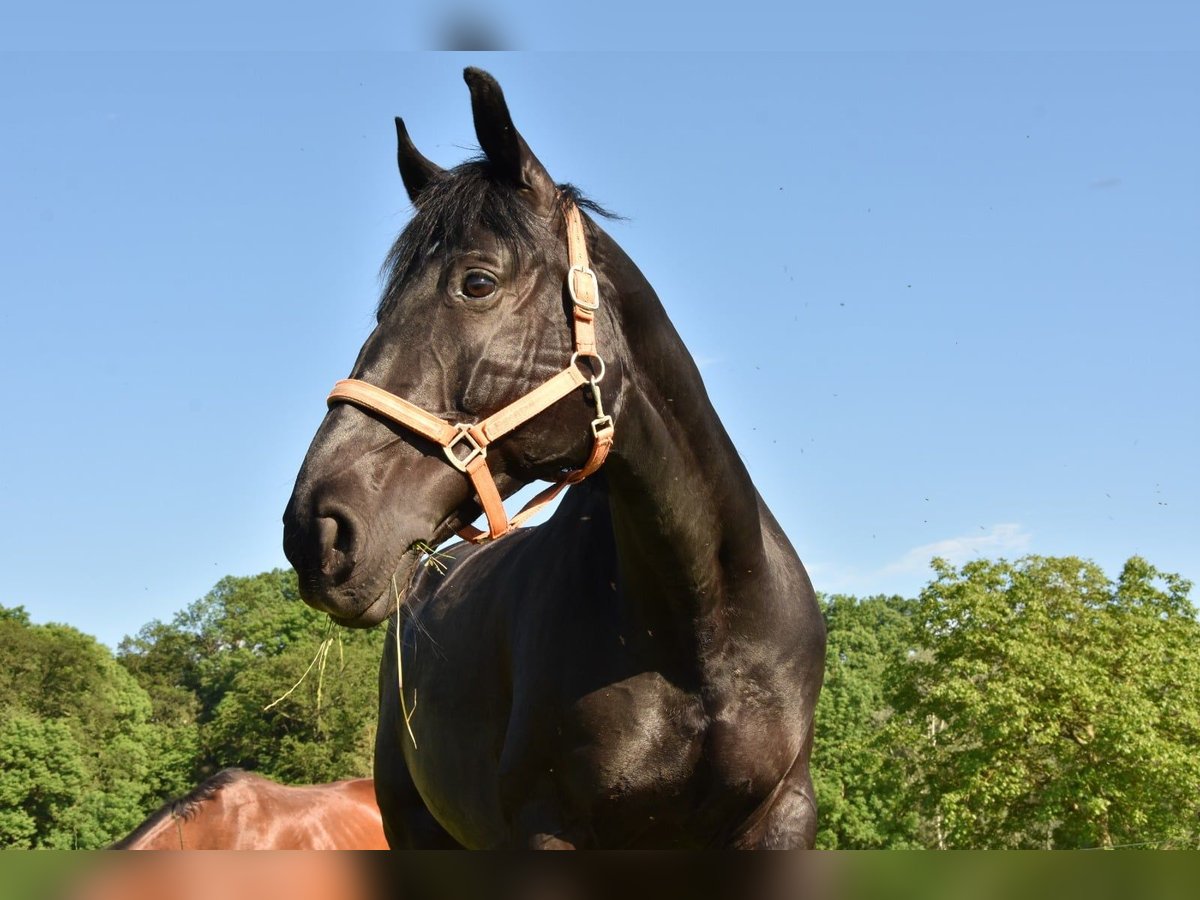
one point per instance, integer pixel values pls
(1032, 703)
(1027, 704)
(90, 743)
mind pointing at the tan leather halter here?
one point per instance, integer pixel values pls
(465, 445)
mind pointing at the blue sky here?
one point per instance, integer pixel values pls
(946, 302)
(358, 25)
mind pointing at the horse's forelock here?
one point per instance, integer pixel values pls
(457, 204)
(460, 202)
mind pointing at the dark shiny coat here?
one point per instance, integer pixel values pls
(639, 671)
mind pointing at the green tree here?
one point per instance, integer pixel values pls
(223, 661)
(1044, 706)
(322, 730)
(76, 739)
(43, 775)
(854, 774)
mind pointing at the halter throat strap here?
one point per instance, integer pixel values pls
(465, 444)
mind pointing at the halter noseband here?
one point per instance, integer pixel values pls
(465, 445)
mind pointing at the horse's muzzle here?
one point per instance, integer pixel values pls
(323, 549)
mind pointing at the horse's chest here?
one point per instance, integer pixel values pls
(637, 738)
(644, 758)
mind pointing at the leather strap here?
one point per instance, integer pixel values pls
(582, 284)
(525, 408)
(583, 287)
(600, 447)
(489, 497)
(399, 410)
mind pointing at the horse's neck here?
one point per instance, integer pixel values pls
(686, 515)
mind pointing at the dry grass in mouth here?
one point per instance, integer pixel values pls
(331, 634)
(400, 669)
(433, 558)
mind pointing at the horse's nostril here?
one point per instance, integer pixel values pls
(335, 538)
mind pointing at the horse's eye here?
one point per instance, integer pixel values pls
(478, 285)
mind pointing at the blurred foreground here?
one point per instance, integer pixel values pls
(434, 876)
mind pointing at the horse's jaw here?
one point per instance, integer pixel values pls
(383, 599)
(367, 603)
(371, 616)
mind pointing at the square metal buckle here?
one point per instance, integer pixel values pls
(601, 426)
(583, 270)
(473, 448)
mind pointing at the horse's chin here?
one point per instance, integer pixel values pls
(389, 599)
(375, 613)
(395, 591)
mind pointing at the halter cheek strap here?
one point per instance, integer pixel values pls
(465, 445)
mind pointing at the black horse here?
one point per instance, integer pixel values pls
(639, 671)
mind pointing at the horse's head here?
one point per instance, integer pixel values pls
(475, 315)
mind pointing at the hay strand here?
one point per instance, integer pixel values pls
(319, 659)
(434, 559)
(404, 711)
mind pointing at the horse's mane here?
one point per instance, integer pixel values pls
(460, 201)
(184, 807)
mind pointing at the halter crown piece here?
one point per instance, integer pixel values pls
(465, 445)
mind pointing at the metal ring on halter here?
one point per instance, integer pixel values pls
(595, 379)
(583, 270)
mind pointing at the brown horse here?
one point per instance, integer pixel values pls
(236, 810)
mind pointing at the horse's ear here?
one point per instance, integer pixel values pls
(415, 169)
(504, 146)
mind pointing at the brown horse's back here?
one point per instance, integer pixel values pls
(241, 811)
(338, 816)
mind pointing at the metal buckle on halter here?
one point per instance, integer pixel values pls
(603, 423)
(474, 450)
(583, 270)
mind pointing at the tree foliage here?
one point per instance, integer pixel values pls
(91, 743)
(221, 664)
(1032, 703)
(853, 772)
(77, 745)
(1043, 706)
